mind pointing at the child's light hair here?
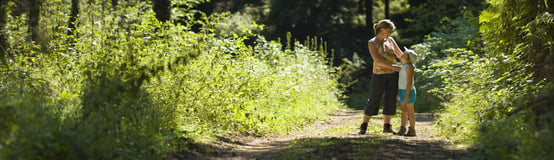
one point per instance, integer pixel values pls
(412, 55)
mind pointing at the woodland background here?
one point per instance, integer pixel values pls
(141, 79)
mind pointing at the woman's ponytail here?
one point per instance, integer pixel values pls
(375, 28)
(385, 23)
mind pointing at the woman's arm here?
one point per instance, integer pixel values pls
(380, 60)
(410, 75)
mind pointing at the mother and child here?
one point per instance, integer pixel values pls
(391, 80)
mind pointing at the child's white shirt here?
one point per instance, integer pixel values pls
(403, 77)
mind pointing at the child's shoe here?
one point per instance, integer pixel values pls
(411, 132)
(363, 128)
(387, 128)
(401, 131)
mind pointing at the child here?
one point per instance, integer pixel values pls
(406, 87)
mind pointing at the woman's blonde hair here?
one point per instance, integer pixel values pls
(383, 24)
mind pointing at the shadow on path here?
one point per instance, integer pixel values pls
(367, 147)
(347, 146)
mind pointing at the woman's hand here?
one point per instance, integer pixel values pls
(396, 67)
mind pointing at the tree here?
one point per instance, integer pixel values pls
(367, 7)
(73, 16)
(114, 4)
(312, 17)
(387, 9)
(3, 38)
(162, 8)
(34, 19)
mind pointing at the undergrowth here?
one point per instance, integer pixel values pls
(490, 82)
(125, 86)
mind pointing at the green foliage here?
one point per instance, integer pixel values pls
(456, 35)
(522, 28)
(255, 91)
(494, 90)
(479, 90)
(526, 132)
(240, 24)
(425, 16)
(354, 81)
(126, 86)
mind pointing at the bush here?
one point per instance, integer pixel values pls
(494, 96)
(125, 86)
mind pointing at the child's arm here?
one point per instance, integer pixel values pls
(410, 75)
(397, 50)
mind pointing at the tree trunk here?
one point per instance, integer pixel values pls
(73, 17)
(387, 6)
(369, 13)
(361, 6)
(114, 4)
(34, 17)
(3, 37)
(162, 8)
(312, 19)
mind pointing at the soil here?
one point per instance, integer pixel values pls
(335, 137)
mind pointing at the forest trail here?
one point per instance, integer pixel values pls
(337, 138)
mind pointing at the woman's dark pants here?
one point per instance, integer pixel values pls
(386, 84)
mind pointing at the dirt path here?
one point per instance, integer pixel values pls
(337, 138)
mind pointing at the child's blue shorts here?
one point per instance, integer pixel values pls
(402, 92)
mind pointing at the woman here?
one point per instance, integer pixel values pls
(384, 80)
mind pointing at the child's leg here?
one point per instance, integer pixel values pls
(404, 117)
(411, 114)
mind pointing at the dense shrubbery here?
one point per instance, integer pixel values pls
(494, 86)
(125, 86)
